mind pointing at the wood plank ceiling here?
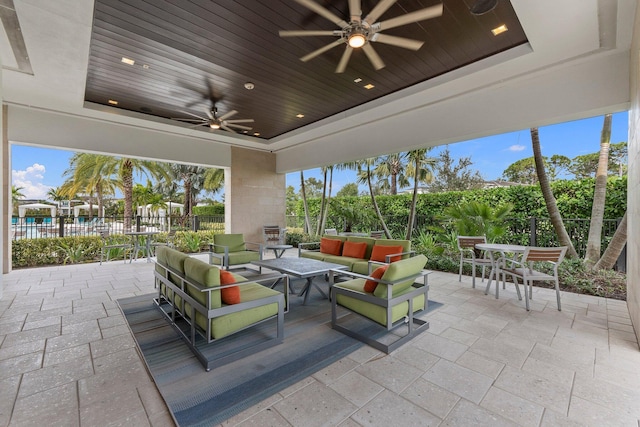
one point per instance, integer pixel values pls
(190, 52)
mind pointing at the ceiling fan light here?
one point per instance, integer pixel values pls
(214, 125)
(356, 40)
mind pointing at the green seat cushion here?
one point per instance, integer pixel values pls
(362, 267)
(342, 260)
(236, 258)
(399, 270)
(235, 242)
(230, 323)
(208, 276)
(375, 312)
(312, 255)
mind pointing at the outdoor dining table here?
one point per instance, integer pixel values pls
(136, 243)
(497, 251)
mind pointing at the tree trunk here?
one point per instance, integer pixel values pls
(322, 201)
(549, 199)
(414, 200)
(326, 205)
(127, 184)
(375, 204)
(599, 195)
(611, 254)
(304, 202)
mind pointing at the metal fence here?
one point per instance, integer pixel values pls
(35, 227)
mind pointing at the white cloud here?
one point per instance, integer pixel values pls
(516, 147)
(30, 180)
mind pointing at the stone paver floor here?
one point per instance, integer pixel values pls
(68, 358)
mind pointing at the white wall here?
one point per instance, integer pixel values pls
(633, 183)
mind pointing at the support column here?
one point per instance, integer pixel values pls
(255, 195)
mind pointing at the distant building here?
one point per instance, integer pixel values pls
(499, 183)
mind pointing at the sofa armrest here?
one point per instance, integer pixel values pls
(302, 246)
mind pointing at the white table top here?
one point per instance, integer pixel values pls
(501, 247)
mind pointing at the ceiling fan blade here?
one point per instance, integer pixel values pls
(227, 128)
(373, 56)
(344, 60)
(240, 121)
(303, 33)
(227, 115)
(309, 4)
(322, 50)
(238, 126)
(378, 10)
(187, 120)
(397, 41)
(409, 18)
(355, 10)
(195, 115)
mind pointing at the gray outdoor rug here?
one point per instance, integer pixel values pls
(200, 398)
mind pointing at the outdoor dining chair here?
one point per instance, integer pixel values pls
(109, 245)
(524, 269)
(469, 254)
(273, 235)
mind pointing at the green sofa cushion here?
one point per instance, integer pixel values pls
(207, 275)
(235, 242)
(313, 255)
(236, 258)
(229, 323)
(175, 260)
(398, 270)
(375, 312)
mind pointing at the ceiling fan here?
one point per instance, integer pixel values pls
(358, 32)
(222, 122)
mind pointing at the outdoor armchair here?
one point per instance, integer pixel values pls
(393, 303)
(231, 249)
(470, 255)
(524, 269)
(111, 246)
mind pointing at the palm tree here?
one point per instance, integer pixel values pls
(615, 246)
(85, 175)
(324, 204)
(213, 180)
(304, 203)
(549, 199)
(123, 169)
(599, 195)
(421, 169)
(16, 195)
(390, 172)
(364, 176)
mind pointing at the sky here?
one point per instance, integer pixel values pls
(37, 170)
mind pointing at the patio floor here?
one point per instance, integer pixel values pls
(68, 358)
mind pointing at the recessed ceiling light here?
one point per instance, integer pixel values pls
(249, 86)
(113, 102)
(358, 80)
(369, 86)
(145, 66)
(299, 115)
(256, 134)
(128, 61)
(499, 30)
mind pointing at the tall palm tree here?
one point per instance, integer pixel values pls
(599, 195)
(390, 172)
(420, 167)
(549, 199)
(213, 180)
(123, 168)
(324, 204)
(364, 176)
(16, 195)
(615, 246)
(303, 191)
(85, 175)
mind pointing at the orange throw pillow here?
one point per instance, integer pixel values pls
(330, 246)
(370, 285)
(354, 249)
(380, 252)
(230, 295)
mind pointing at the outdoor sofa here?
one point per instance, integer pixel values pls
(207, 306)
(355, 251)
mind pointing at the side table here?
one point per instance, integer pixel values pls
(278, 250)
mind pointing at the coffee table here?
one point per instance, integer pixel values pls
(302, 268)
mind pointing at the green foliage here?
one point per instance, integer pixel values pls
(426, 243)
(216, 208)
(73, 252)
(478, 219)
(348, 190)
(295, 236)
